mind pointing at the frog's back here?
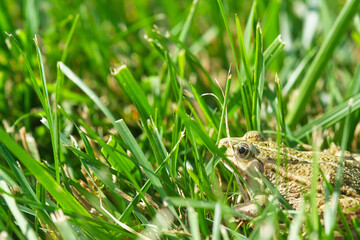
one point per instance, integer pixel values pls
(351, 173)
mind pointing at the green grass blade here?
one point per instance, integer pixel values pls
(101, 170)
(249, 26)
(124, 76)
(192, 60)
(131, 87)
(45, 95)
(9, 226)
(48, 112)
(331, 117)
(144, 189)
(334, 200)
(271, 25)
(273, 51)
(243, 88)
(113, 155)
(133, 90)
(64, 198)
(159, 149)
(224, 107)
(139, 155)
(280, 113)
(319, 63)
(32, 14)
(314, 219)
(223, 15)
(296, 75)
(22, 222)
(64, 226)
(71, 75)
(355, 85)
(33, 79)
(205, 109)
(200, 204)
(186, 27)
(194, 115)
(176, 89)
(243, 54)
(194, 223)
(217, 221)
(58, 94)
(69, 39)
(24, 184)
(258, 80)
(19, 175)
(119, 160)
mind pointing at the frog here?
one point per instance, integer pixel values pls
(290, 171)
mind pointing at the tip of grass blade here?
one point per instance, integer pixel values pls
(116, 70)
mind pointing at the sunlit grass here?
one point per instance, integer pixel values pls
(111, 116)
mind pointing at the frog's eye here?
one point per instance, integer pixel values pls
(243, 150)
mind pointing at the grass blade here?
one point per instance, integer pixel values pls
(71, 75)
(194, 223)
(63, 197)
(217, 221)
(273, 51)
(224, 107)
(243, 88)
(23, 224)
(139, 155)
(243, 54)
(133, 90)
(258, 80)
(331, 117)
(319, 63)
(24, 184)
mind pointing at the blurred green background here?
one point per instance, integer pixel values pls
(110, 33)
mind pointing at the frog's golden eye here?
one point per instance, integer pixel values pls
(243, 150)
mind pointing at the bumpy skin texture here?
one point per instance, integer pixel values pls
(293, 178)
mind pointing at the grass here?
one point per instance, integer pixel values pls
(111, 116)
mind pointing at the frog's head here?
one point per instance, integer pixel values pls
(242, 153)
